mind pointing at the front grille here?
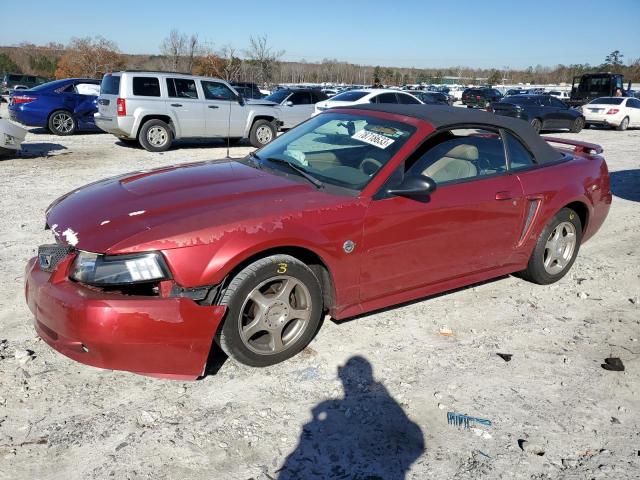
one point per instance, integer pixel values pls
(49, 256)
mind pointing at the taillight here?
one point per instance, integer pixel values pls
(613, 111)
(22, 99)
(122, 107)
(478, 97)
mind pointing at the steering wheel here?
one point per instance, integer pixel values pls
(369, 166)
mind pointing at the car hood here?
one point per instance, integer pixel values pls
(174, 207)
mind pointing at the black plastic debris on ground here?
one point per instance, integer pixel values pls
(613, 364)
(505, 356)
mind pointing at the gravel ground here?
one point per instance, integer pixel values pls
(368, 399)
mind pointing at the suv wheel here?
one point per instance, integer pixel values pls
(262, 132)
(155, 136)
(61, 122)
(578, 125)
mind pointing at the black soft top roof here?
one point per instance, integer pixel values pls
(440, 116)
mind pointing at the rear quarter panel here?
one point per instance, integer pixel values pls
(583, 179)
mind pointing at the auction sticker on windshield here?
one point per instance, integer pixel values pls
(374, 139)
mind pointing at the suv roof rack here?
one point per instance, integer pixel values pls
(153, 71)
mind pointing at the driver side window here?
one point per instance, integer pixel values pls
(217, 91)
(461, 154)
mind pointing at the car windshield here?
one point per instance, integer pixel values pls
(278, 96)
(607, 101)
(343, 150)
(350, 96)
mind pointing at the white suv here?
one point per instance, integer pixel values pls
(155, 108)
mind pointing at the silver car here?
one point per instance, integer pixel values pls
(296, 104)
(155, 108)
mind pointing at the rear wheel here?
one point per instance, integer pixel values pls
(624, 124)
(61, 122)
(556, 249)
(536, 124)
(577, 126)
(262, 132)
(155, 136)
(274, 308)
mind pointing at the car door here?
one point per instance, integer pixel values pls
(224, 116)
(633, 107)
(85, 102)
(565, 117)
(469, 224)
(186, 106)
(297, 108)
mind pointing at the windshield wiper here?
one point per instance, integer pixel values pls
(316, 183)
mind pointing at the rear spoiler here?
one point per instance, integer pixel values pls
(579, 147)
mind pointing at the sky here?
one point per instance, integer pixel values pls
(498, 34)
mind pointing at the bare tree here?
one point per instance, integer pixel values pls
(193, 50)
(173, 48)
(87, 57)
(263, 57)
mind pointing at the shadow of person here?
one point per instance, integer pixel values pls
(626, 184)
(364, 436)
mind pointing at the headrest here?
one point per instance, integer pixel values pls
(463, 152)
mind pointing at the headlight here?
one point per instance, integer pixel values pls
(95, 269)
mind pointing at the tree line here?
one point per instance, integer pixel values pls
(262, 63)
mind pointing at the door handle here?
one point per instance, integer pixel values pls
(503, 196)
(213, 106)
(176, 104)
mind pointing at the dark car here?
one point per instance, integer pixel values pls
(248, 90)
(12, 80)
(357, 209)
(430, 98)
(543, 112)
(62, 106)
(296, 104)
(480, 97)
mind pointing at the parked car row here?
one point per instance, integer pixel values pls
(157, 108)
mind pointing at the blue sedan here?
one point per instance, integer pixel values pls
(63, 106)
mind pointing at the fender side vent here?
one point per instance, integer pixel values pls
(533, 207)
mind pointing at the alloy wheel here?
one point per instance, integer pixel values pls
(63, 122)
(264, 134)
(157, 136)
(275, 314)
(559, 248)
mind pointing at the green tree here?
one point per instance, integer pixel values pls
(614, 59)
(7, 64)
(494, 77)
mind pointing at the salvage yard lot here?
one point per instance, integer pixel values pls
(555, 412)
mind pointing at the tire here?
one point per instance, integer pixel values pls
(564, 233)
(624, 124)
(536, 124)
(469, 106)
(253, 303)
(61, 122)
(262, 132)
(578, 125)
(155, 136)
(587, 126)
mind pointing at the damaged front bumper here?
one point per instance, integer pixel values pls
(157, 336)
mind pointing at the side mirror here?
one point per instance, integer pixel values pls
(289, 103)
(240, 100)
(414, 186)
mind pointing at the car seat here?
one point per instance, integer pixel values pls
(457, 163)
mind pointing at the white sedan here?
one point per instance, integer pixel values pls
(367, 95)
(618, 112)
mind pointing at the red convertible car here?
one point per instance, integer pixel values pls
(354, 210)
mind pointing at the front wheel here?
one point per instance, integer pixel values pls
(274, 308)
(577, 126)
(262, 132)
(556, 249)
(61, 122)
